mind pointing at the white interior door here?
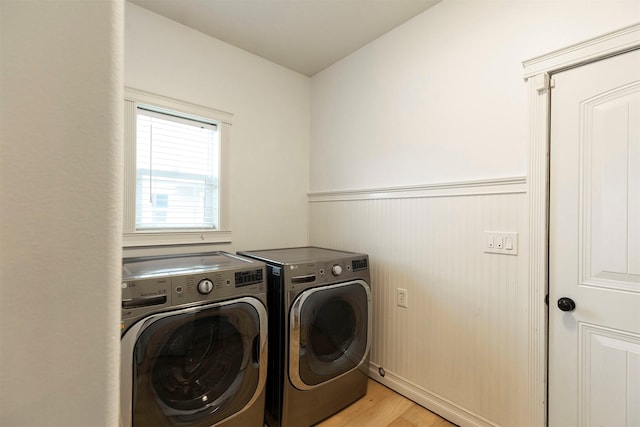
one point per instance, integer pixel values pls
(594, 245)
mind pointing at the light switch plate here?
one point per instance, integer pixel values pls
(402, 298)
(500, 242)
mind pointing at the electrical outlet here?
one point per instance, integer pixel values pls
(402, 298)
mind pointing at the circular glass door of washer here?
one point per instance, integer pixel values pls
(196, 368)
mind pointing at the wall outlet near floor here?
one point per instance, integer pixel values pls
(501, 242)
(402, 298)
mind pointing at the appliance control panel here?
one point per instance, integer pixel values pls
(146, 295)
(216, 285)
(316, 273)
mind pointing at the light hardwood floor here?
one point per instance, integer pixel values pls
(383, 407)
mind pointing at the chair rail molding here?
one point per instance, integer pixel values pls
(538, 73)
(509, 185)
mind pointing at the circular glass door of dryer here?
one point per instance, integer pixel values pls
(197, 366)
(329, 332)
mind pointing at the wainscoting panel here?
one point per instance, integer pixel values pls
(461, 347)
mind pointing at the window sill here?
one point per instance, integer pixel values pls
(159, 238)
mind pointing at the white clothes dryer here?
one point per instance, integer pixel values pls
(194, 341)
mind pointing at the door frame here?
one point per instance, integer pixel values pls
(538, 73)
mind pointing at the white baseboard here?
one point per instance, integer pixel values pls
(431, 401)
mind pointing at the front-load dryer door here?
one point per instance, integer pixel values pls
(195, 366)
(329, 332)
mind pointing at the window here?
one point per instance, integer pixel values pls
(176, 172)
(175, 158)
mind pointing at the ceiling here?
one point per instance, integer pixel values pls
(306, 36)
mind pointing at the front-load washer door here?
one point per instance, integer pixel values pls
(329, 332)
(195, 366)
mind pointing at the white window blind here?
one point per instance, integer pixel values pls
(177, 161)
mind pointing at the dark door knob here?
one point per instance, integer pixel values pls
(566, 304)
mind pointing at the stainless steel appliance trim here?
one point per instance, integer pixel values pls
(129, 339)
(294, 332)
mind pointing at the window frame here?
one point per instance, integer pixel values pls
(141, 238)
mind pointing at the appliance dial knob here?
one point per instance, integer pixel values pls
(336, 270)
(205, 286)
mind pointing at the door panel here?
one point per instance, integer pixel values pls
(594, 244)
(612, 196)
(612, 358)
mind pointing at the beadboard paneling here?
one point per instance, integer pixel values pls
(464, 337)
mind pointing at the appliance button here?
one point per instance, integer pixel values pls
(336, 270)
(205, 286)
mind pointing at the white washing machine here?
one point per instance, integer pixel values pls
(319, 332)
(194, 341)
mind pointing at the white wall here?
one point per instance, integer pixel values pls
(270, 132)
(441, 99)
(60, 174)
